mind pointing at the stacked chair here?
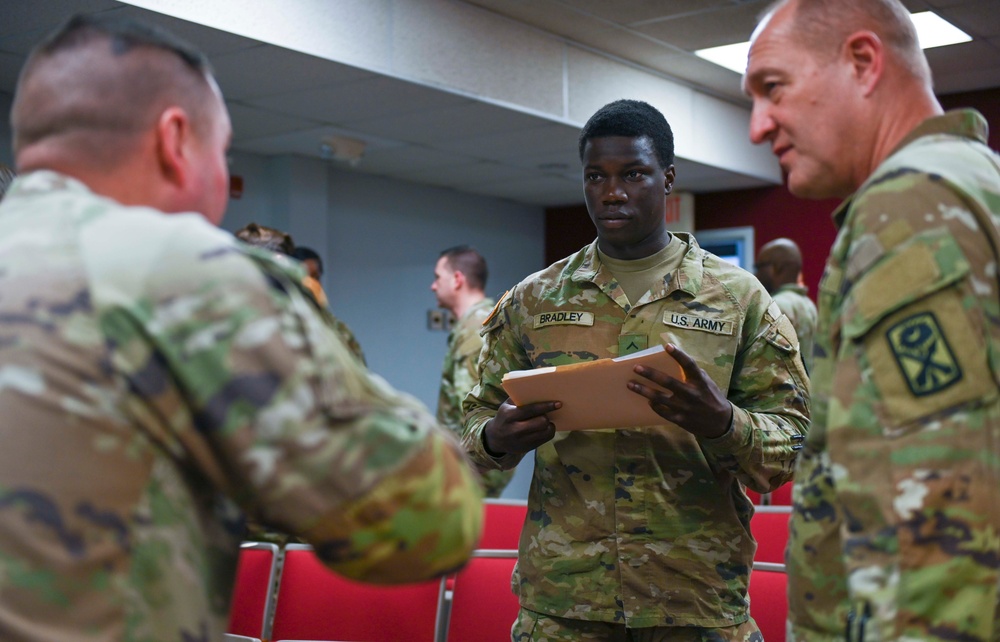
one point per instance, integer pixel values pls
(288, 595)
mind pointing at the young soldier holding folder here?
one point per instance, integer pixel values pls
(641, 532)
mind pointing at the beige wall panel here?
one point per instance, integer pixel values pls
(462, 47)
(595, 81)
(348, 31)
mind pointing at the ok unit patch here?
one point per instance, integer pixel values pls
(923, 354)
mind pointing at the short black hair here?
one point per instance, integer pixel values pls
(302, 253)
(124, 34)
(467, 260)
(634, 119)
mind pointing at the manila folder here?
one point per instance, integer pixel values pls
(594, 393)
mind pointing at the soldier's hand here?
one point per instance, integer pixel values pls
(519, 429)
(696, 405)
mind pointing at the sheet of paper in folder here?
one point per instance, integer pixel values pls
(594, 394)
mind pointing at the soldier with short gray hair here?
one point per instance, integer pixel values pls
(895, 531)
(161, 380)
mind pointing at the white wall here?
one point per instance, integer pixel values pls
(380, 239)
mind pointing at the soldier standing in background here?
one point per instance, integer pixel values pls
(643, 532)
(160, 381)
(895, 530)
(779, 269)
(459, 285)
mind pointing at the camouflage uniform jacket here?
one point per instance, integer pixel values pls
(159, 380)
(314, 288)
(459, 376)
(896, 523)
(646, 526)
(801, 311)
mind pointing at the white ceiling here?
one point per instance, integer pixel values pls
(284, 102)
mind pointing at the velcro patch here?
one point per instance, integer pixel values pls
(691, 322)
(563, 318)
(923, 354)
(630, 343)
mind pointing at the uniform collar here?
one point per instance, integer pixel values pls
(793, 287)
(44, 181)
(687, 277)
(963, 123)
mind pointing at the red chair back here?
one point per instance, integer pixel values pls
(782, 496)
(769, 600)
(254, 590)
(769, 526)
(503, 520)
(314, 603)
(483, 607)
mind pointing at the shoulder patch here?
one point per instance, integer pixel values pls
(923, 354)
(496, 308)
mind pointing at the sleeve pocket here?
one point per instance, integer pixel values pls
(902, 279)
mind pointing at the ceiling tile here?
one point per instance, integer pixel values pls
(376, 97)
(266, 70)
(250, 123)
(978, 19)
(545, 189)
(512, 145)
(709, 29)
(440, 125)
(408, 158)
(470, 172)
(307, 142)
(645, 11)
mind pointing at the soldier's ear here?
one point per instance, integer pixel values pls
(173, 139)
(459, 279)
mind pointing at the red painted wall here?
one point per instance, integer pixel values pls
(772, 211)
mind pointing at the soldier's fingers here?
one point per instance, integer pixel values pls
(536, 409)
(653, 394)
(688, 364)
(654, 375)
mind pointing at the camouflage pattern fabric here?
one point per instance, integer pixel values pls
(536, 627)
(459, 375)
(646, 526)
(346, 336)
(895, 530)
(159, 380)
(794, 301)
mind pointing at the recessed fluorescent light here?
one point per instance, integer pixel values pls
(729, 56)
(932, 31)
(935, 31)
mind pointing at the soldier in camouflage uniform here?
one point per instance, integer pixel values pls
(459, 283)
(161, 380)
(275, 240)
(779, 268)
(895, 531)
(641, 532)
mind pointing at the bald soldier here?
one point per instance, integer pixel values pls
(161, 380)
(895, 532)
(779, 270)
